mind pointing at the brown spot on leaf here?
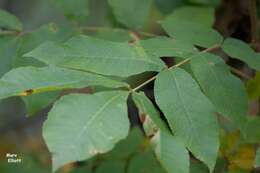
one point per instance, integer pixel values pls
(26, 92)
(53, 27)
(131, 41)
(142, 117)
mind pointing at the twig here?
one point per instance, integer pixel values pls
(253, 19)
(174, 66)
(239, 73)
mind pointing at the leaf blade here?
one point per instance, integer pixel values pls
(167, 47)
(225, 91)
(194, 32)
(25, 81)
(170, 152)
(98, 56)
(242, 51)
(92, 131)
(203, 15)
(252, 130)
(189, 113)
(123, 11)
(74, 10)
(37, 102)
(9, 21)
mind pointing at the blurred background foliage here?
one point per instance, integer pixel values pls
(58, 20)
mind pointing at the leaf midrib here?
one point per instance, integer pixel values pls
(91, 58)
(186, 111)
(85, 127)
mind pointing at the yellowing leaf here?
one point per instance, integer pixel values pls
(253, 87)
(243, 158)
(228, 142)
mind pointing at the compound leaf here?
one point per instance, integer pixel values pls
(191, 116)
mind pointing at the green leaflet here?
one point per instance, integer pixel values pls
(167, 47)
(190, 114)
(146, 109)
(191, 32)
(257, 159)
(202, 15)
(8, 49)
(132, 14)
(87, 122)
(112, 34)
(198, 168)
(171, 153)
(242, 51)
(99, 56)
(25, 81)
(74, 10)
(225, 91)
(253, 87)
(252, 130)
(116, 161)
(9, 21)
(127, 147)
(143, 163)
(112, 166)
(30, 41)
(169, 150)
